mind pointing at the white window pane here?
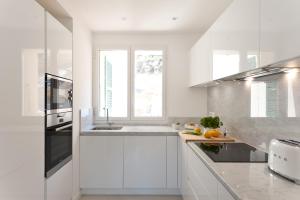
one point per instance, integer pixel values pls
(258, 99)
(113, 83)
(148, 83)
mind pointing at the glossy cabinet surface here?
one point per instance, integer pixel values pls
(235, 39)
(197, 181)
(186, 189)
(22, 100)
(172, 162)
(280, 30)
(145, 162)
(120, 164)
(59, 185)
(101, 162)
(59, 48)
(200, 61)
(205, 184)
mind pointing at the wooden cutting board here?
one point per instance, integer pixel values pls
(201, 138)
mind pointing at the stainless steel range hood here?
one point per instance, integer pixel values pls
(276, 68)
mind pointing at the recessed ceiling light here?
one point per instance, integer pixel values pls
(124, 18)
(174, 18)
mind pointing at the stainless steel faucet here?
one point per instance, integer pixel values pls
(107, 117)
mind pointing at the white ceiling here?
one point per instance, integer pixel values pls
(149, 15)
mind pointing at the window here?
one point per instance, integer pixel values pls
(148, 83)
(113, 80)
(130, 91)
(258, 99)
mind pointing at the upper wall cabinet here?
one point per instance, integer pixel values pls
(235, 39)
(59, 48)
(200, 61)
(280, 30)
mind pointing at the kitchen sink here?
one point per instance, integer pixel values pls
(107, 128)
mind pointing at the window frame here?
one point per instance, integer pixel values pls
(97, 84)
(149, 48)
(130, 84)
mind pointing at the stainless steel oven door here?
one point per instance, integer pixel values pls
(59, 94)
(58, 149)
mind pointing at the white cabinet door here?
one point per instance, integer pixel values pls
(235, 39)
(101, 161)
(183, 179)
(172, 162)
(223, 193)
(22, 72)
(59, 48)
(204, 182)
(59, 185)
(200, 61)
(145, 162)
(280, 30)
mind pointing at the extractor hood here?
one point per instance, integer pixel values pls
(276, 68)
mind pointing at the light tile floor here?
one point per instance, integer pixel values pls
(129, 197)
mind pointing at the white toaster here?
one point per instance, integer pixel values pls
(284, 158)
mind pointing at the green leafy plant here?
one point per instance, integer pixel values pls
(211, 122)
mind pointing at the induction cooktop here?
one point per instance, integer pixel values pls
(233, 152)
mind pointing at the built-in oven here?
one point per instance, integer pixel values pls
(59, 94)
(58, 142)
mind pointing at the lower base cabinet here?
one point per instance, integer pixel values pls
(59, 185)
(197, 182)
(129, 164)
(145, 162)
(101, 162)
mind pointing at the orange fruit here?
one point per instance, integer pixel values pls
(207, 134)
(212, 133)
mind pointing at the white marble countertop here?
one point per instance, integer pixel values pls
(250, 181)
(132, 131)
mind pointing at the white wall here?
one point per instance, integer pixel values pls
(82, 82)
(181, 101)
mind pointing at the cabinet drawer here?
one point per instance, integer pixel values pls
(205, 183)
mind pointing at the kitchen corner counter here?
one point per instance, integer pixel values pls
(133, 131)
(250, 181)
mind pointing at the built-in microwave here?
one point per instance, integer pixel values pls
(59, 94)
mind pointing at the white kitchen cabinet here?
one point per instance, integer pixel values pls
(200, 61)
(22, 71)
(59, 185)
(197, 181)
(223, 193)
(182, 165)
(145, 162)
(280, 30)
(186, 188)
(235, 39)
(204, 182)
(59, 48)
(101, 162)
(172, 162)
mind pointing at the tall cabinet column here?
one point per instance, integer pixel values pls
(22, 69)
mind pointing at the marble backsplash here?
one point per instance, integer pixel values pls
(259, 110)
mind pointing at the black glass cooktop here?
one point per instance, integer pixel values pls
(233, 152)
